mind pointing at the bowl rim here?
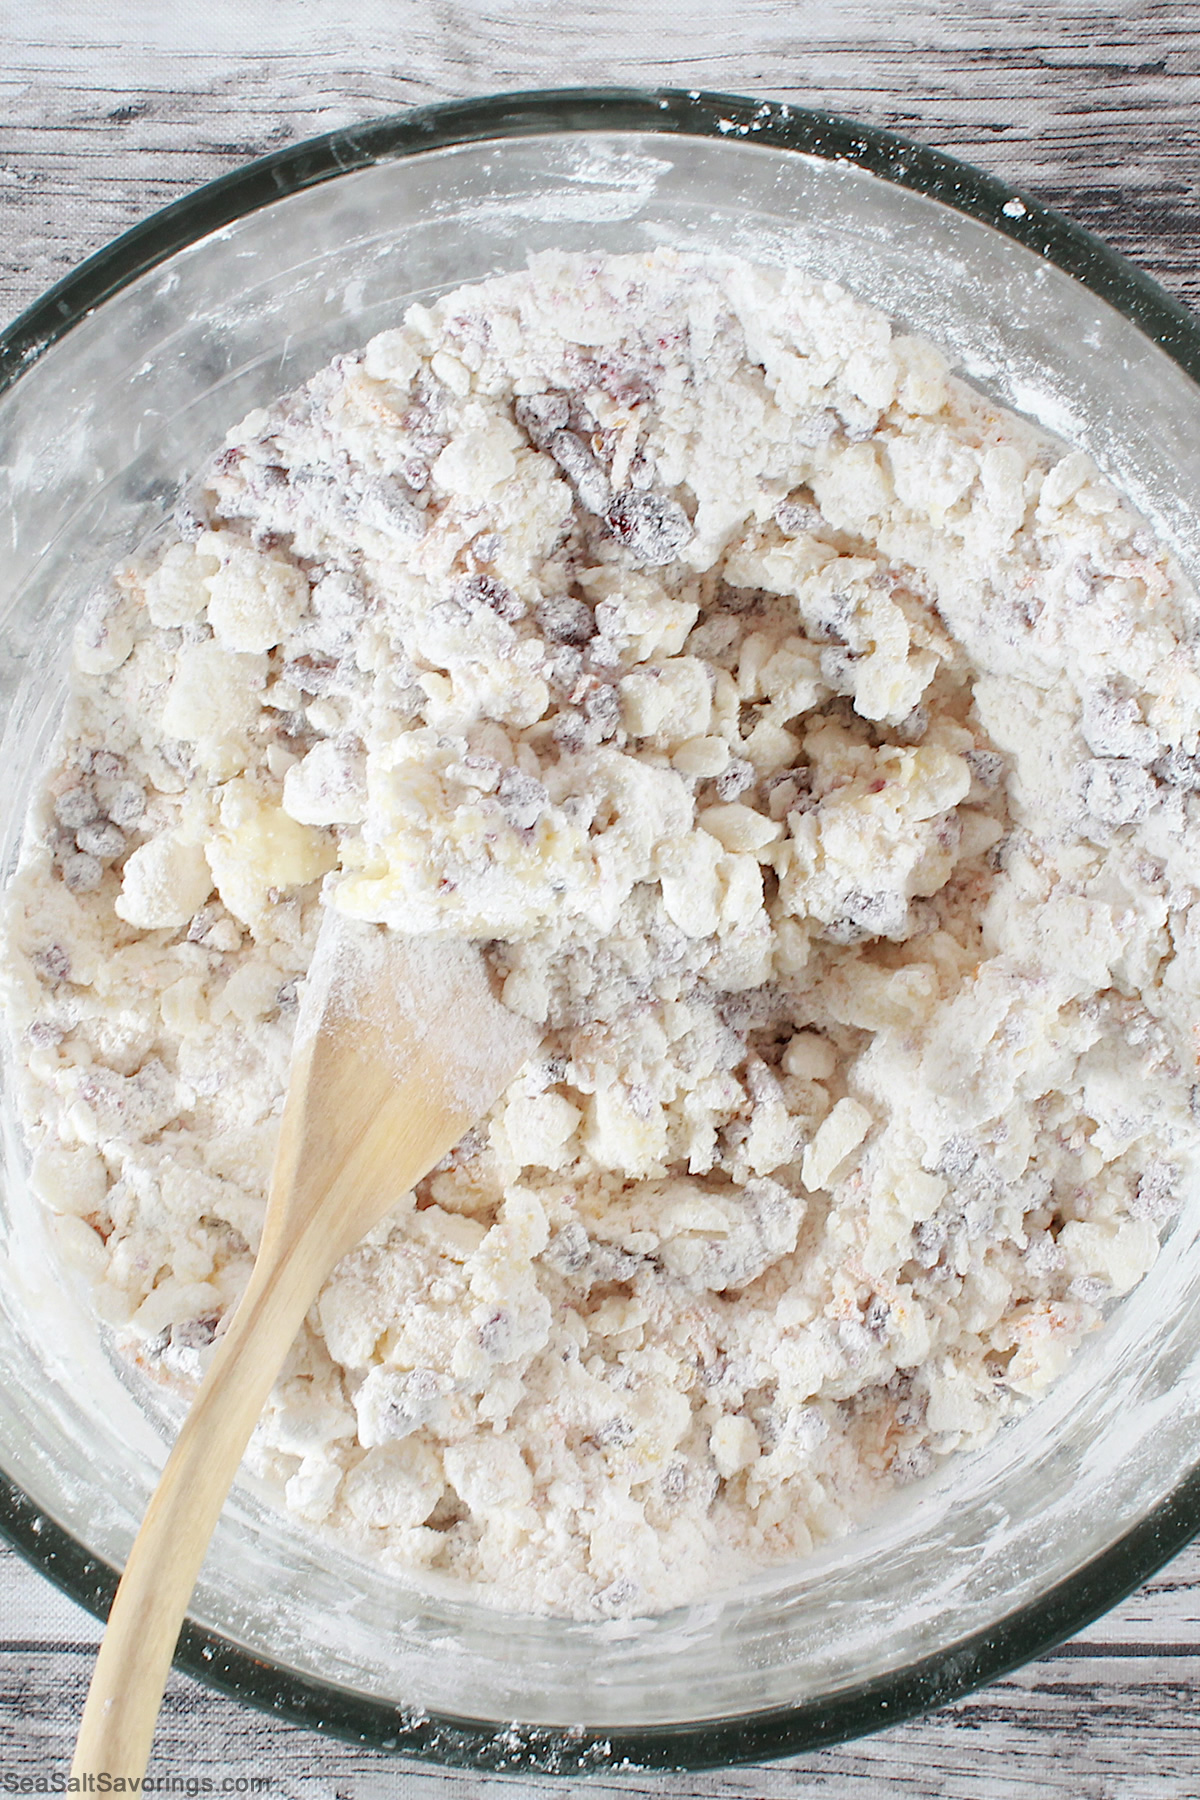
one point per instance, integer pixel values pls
(968, 1663)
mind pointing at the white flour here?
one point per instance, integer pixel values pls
(815, 747)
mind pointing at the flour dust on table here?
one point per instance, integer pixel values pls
(813, 746)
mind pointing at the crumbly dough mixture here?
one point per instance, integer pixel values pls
(813, 743)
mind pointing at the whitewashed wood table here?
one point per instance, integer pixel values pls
(107, 113)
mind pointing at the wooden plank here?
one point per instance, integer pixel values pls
(1110, 1715)
(1076, 1730)
(1098, 116)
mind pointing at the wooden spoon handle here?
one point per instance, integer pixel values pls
(152, 1599)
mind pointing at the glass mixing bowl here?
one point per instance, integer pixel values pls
(119, 383)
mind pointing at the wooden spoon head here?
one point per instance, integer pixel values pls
(401, 1045)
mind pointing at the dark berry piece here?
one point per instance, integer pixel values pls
(82, 874)
(101, 839)
(474, 591)
(77, 806)
(523, 798)
(541, 415)
(581, 468)
(565, 620)
(654, 527)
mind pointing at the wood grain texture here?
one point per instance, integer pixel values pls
(107, 113)
(1110, 1717)
(1094, 109)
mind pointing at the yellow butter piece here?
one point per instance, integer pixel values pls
(259, 849)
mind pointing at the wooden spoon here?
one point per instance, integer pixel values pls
(400, 1046)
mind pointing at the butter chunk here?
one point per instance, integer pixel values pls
(255, 600)
(177, 591)
(836, 1139)
(164, 883)
(259, 850)
(734, 1444)
(69, 1181)
(396, 1484)
(489, 1474)
(738, 827)
(474, 463)
(213, 702)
